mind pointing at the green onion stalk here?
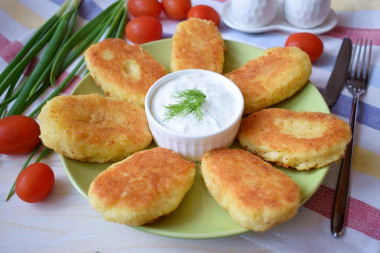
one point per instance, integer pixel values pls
(32, 41)
(67, 48)
(80, 41)
(46, 58)
(10, 76)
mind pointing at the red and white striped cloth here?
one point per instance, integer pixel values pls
(309, 230)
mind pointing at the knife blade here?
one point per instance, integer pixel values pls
(339, 73)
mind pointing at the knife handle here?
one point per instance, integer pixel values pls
(341, 195)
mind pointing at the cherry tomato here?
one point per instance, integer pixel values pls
(176, 9)
(204, 12)
(150, 8)
(143, 29)
(308, 42)
(19, 135)
(35, 182)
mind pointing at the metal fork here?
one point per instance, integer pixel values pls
(357, 81)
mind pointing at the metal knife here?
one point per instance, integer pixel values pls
(339, 73)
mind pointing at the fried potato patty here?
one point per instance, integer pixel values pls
(123, 71)
(197, 44)
(255, 194)
(301, 140)
(272, 77)
(93, 128)
(143, 187)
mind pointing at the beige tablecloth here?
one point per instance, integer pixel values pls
(308, 231)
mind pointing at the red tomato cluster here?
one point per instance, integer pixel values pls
(176, 9)
(150, 8)
(204, 12)
(143, 29)
(146, 26)
(308, 42)
(20, 135)
(35, 182)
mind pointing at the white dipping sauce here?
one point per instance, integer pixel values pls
(219, 110)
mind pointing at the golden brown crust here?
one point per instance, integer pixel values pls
(197, 44)
(123, 71)
(272, 77)
(149, 184)
(254, 193)
(302, 140)
(93, 128)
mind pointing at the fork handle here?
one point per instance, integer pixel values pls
(341, 194)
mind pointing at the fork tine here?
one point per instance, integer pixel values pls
(363, 61)
(369, 62)
(355, 77)
(352, 59)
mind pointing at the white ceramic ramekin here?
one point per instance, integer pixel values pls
(193, 146)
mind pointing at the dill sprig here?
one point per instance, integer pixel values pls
(188, 102)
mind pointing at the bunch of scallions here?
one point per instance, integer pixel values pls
(58, 46)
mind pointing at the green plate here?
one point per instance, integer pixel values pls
(198, 215)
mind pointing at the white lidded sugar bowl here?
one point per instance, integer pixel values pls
(306, 13)
(254, 13)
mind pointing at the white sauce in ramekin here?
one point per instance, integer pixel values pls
(222, 105)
